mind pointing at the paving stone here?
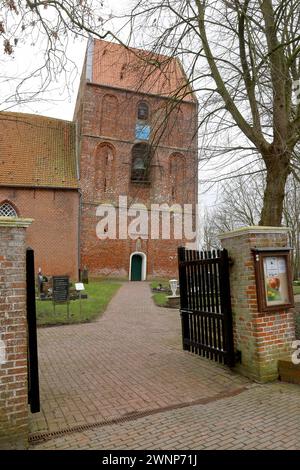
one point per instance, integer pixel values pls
(131, 360)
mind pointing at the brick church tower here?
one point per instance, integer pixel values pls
(136, 121)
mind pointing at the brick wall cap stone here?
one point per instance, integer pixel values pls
(15, 222)
(255, 229)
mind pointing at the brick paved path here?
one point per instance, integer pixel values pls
(129, 360)
(262, 417)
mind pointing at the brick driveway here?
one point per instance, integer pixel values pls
(262, 417)
(129, 360)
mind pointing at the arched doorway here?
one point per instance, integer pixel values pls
(137, 268)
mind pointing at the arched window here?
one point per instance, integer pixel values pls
(143, 111)
(104, 167)
(109, 115)
(7, 210)
(175, 129)
(141, 155)
(177, 177)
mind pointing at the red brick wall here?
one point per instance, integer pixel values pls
(54, 233)
(13, 372)
(262, 337)
(112, 256)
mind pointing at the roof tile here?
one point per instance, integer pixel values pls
(37, 151)
(139, 70)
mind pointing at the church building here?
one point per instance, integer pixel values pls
(133, 141)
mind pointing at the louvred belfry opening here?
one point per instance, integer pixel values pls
(143, 111)
(141, 154)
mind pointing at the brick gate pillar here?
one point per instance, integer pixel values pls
(262, 338)
(13, 334)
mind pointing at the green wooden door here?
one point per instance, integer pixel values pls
(136, 268)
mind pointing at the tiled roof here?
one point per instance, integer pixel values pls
(142, 71)
(37, 151)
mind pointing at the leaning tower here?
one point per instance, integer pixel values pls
(137, 145)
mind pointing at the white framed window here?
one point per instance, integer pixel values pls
(7, 210)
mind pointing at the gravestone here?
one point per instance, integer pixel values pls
(60, 288)
(85, 275)
(61, 291)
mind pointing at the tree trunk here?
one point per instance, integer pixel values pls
(297, 254)
(277, 173)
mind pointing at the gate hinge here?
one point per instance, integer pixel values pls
(230, 261)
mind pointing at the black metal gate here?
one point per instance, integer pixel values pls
(205, 304)
(33, 371)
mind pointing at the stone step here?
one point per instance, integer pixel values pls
(289, 372)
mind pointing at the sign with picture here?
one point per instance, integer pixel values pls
(276, 287)
(273, 279)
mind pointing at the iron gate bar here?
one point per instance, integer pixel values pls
(205, 304)
(33, 373)
(183, 296)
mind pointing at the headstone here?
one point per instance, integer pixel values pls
(85, 275)
(60, 288)
(40, 281)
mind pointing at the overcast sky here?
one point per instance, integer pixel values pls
(59, 99)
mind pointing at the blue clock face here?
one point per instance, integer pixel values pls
(142, 132)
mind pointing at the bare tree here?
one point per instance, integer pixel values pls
(291, 216)
(53, 24)
(243, 58)
(209, 237)
(242, 200)
(240, 205)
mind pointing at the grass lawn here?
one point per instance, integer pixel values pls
(160, 298)
(163, 282)
(99, 295)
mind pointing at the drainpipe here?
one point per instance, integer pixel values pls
(77, 150)
(79, 232)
